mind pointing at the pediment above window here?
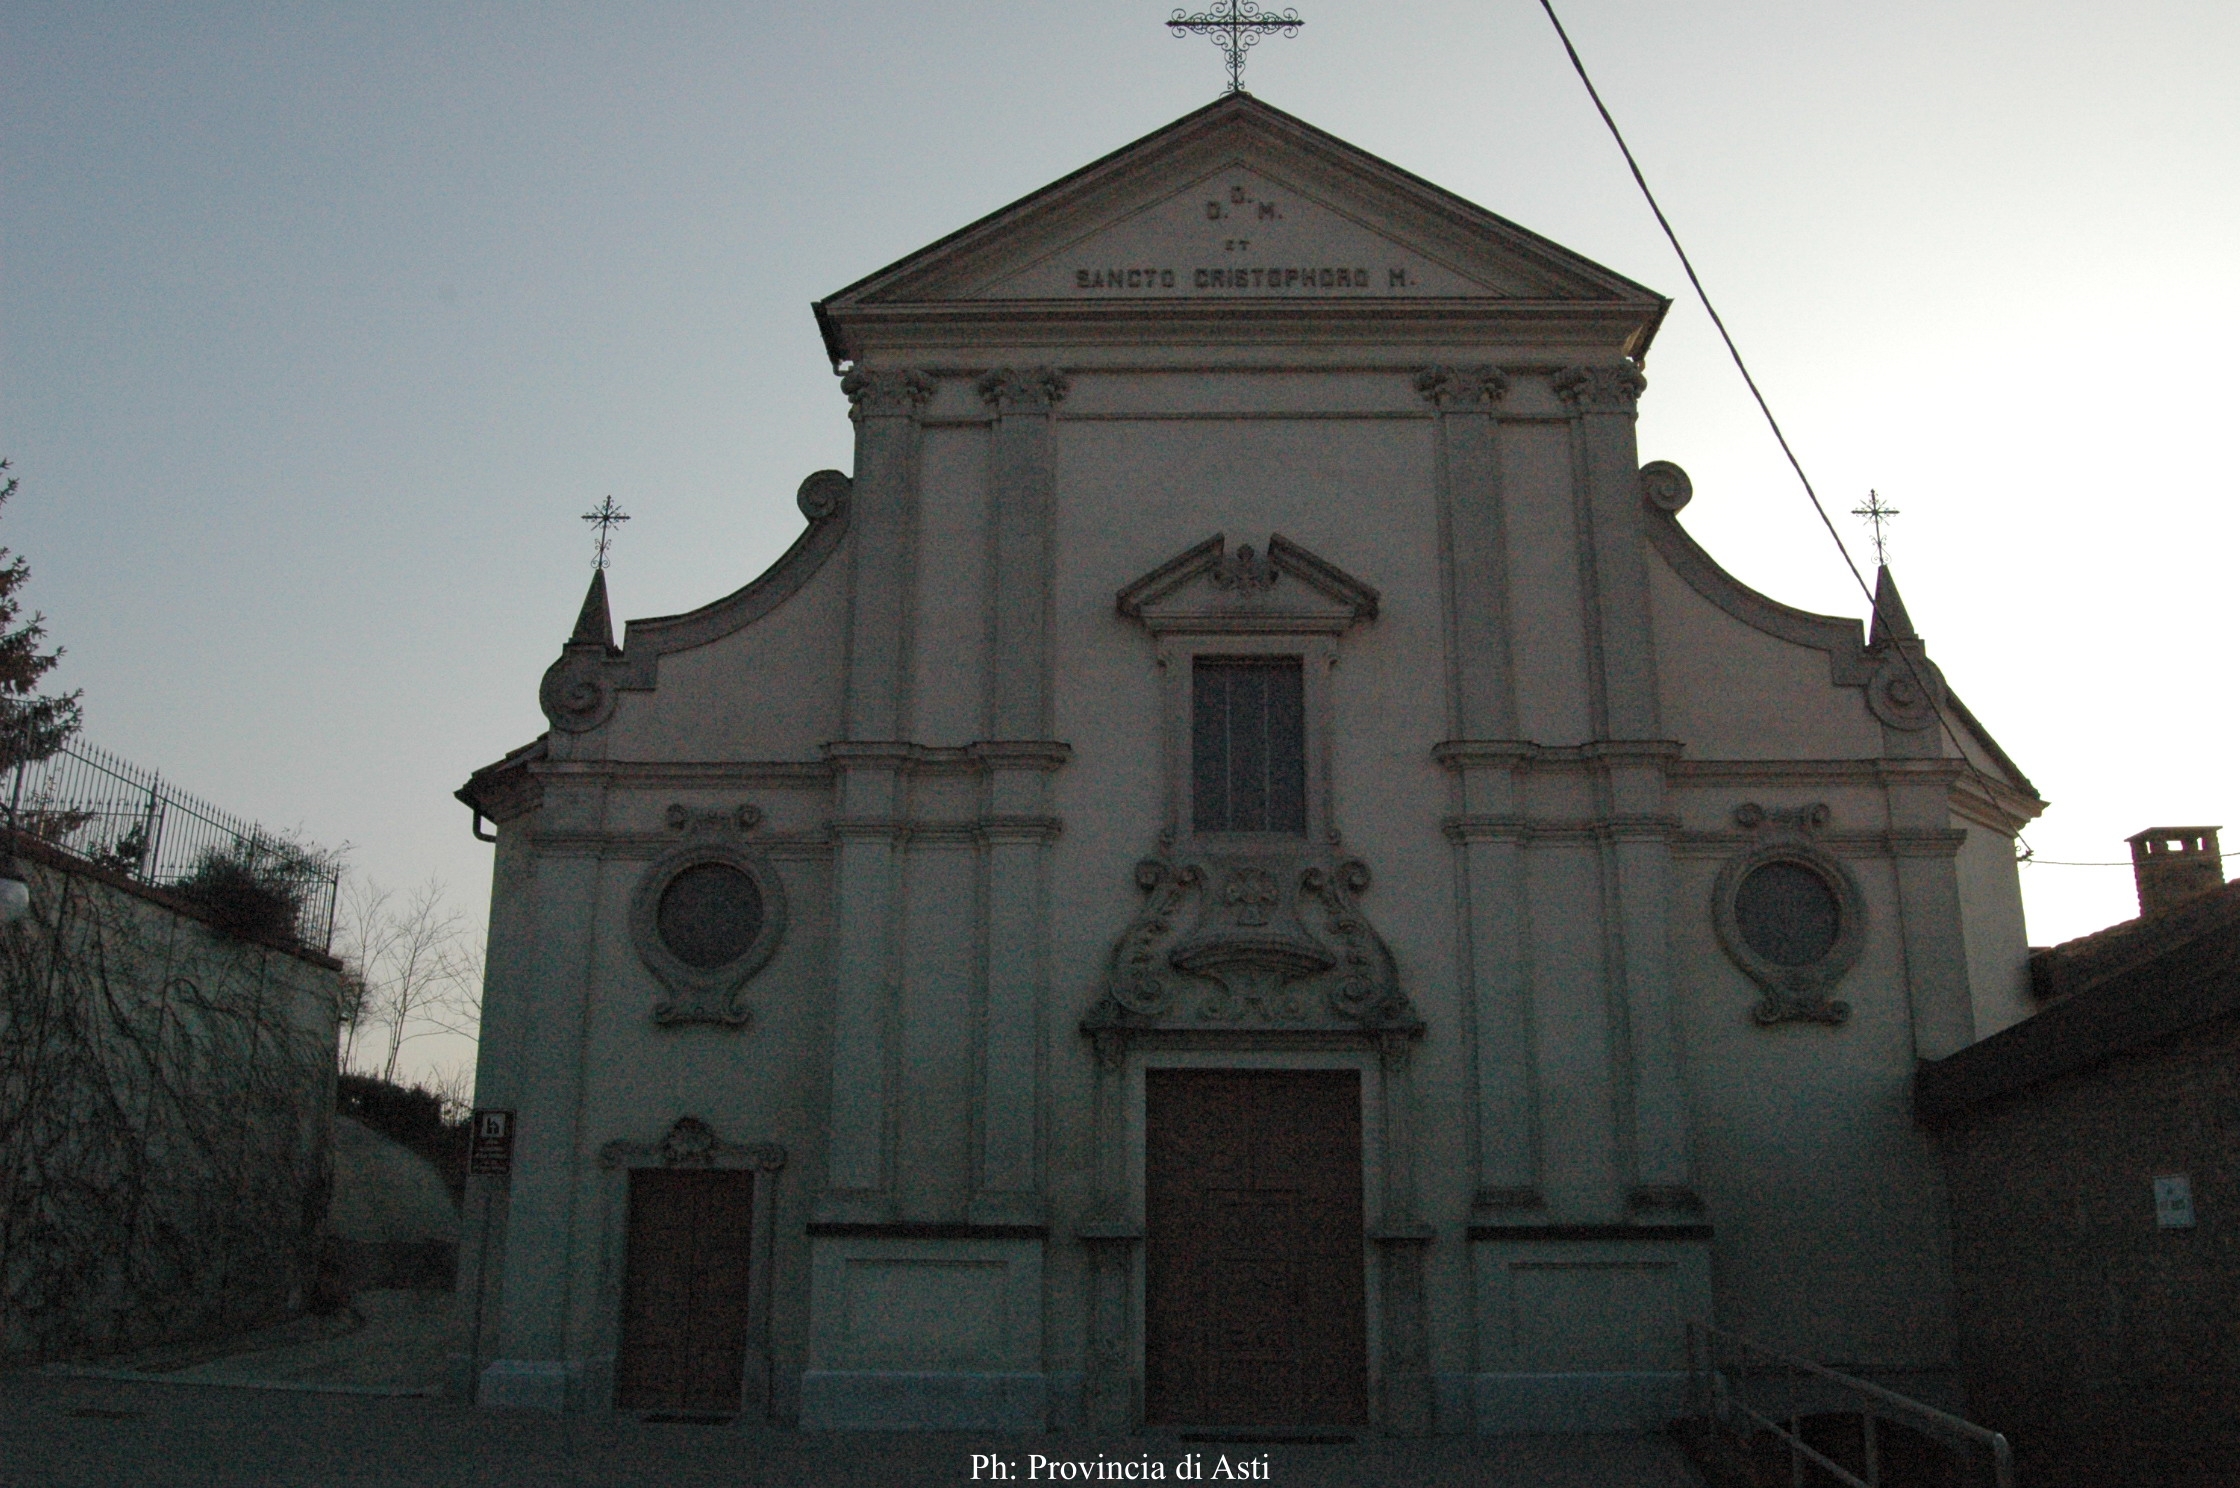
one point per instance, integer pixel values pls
(1214, 589)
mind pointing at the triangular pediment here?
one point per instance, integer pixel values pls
(1238, 203)
(1285, 590)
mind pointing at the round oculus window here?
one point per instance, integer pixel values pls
(709, 915)
(1787, 914)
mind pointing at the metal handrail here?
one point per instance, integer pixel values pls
(1714, 1393)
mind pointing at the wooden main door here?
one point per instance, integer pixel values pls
(684, 1291)
(1253, 1255)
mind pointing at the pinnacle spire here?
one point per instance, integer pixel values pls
(1891, 622)
(594, 627)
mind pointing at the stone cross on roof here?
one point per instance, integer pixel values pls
(1235, 26)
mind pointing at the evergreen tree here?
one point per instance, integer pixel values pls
(31, 727)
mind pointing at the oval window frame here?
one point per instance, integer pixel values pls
(710, 994)
(1793, 993)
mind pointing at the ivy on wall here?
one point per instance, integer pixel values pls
(164, 1127)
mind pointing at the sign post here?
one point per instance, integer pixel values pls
(489, 1155)
(490, 1152)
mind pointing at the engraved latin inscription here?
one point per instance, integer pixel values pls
(1259, 249)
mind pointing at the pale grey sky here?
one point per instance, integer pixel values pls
(320, 324)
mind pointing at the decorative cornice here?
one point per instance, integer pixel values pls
(1021, 754)
(692, 1143)
(922, 1230)
(887, 392)
(1609, 388)
(1520, 754)
(1526, 831)
(892, 754)
(1010, 391)
(780, 774)
(1249, 595)
(1462, 389)
(1528, 1234)
(1488, 754)
(1018, 829)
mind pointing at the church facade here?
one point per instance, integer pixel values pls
(1244, 871)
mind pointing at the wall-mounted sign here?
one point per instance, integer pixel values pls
(2173, 1202)
(490, 1150)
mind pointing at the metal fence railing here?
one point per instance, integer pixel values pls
(1723, 1369)
(92, 804)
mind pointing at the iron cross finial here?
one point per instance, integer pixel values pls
(606, 517)
(1877, 513)
(1235, 26)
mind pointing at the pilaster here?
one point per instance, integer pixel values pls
(1111, 1235)
(1016, 829)
(1022, 471)
(540, 1206)
(1923, 856)
(1602, 401)
(1638, 834)
(1476, 557)
(868, 823)
(868, 830)
(1408, 1407)
(1016, 825)
(884, 519)
(1488, 833)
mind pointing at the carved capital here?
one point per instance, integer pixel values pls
(1462, 389)
(1603, 389)
(1008, 390)
(887, 392)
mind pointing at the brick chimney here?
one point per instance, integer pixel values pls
(2174, 864)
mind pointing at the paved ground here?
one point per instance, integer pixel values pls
(387, 1339)
(196, 1427)
(85, 1433)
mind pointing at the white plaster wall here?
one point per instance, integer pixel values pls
(1991, 925)
(1729, 691)
(949, 642)
(1360, 492)
(1547, 597)
(1825, 1199)
(571, 1047)
(768, 691)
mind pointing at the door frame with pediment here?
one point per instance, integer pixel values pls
(1253, 951)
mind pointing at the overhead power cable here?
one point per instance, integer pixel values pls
(1703, 297)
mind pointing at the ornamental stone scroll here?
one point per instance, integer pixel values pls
(707, 916)
(1790, 914)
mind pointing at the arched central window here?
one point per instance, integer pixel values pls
(1248, 752)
